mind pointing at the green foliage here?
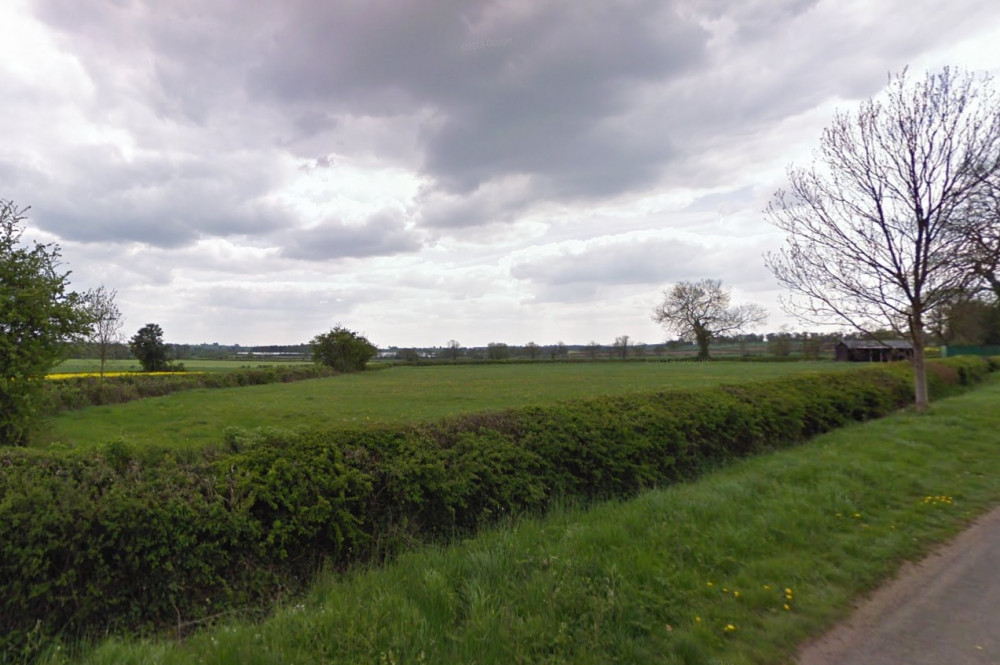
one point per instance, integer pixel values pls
(342, 349)
(148, 347)
(37, 317)
(656, 579)
(80, 392)
(497, 351)
(126, 539)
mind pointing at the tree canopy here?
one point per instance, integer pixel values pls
(342, 349)
(147, 345)
(700, 311)
(38, 315)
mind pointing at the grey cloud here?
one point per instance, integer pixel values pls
(383, 234)
(629, 262)
(263, 298)
(157, 200)
(545, 91)
(498, 201)
(571, 276)
(584, 100)
(541, 97)
(723, 201)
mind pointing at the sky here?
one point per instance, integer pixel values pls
(257, 172)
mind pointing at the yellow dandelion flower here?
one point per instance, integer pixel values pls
(730, 628)
(787, 607)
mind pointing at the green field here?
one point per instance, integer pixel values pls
(198, 418)
(739, 567)
(87, 365)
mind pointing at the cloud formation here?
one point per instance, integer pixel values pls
(531, 160)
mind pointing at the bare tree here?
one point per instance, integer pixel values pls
(621, 346)
(454, 349)
(107, 321)
(872, 227)
(980, 224)
(699, 311)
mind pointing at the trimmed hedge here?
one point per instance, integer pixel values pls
(123, 540)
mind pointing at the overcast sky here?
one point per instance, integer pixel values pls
(484, 171)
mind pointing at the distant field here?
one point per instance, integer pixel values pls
(400, 394)
(80, 365)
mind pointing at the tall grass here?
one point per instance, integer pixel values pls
(739, 567)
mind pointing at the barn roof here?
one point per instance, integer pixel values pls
(871, 344)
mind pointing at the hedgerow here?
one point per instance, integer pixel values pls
(141, 540)
(79, 392)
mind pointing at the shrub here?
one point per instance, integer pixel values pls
(342, 349)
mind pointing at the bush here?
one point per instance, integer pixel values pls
(342, 349)
(120, 540)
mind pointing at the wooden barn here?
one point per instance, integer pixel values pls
(870, 351)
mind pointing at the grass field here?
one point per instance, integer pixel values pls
(400, 394)
(86, 365)
(739, 567)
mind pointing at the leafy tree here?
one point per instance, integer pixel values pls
(342, 349)
(812, 345)
(409, 355)
(875, 233)
(454, 349)
(38, 315)
(532, 350)
(700, 311)
(780, 344)
(106, 321)
(967, 320)
(147, 345)
(497, 351)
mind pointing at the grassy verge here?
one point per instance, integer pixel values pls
(195, 419)
(739, 567)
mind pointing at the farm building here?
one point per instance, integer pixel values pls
(870, 351)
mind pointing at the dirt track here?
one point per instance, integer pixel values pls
(944, 610)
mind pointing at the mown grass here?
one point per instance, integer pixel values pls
(198, 418)
(739, 567)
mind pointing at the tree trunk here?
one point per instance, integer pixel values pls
(921, 399)
(702, 337)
